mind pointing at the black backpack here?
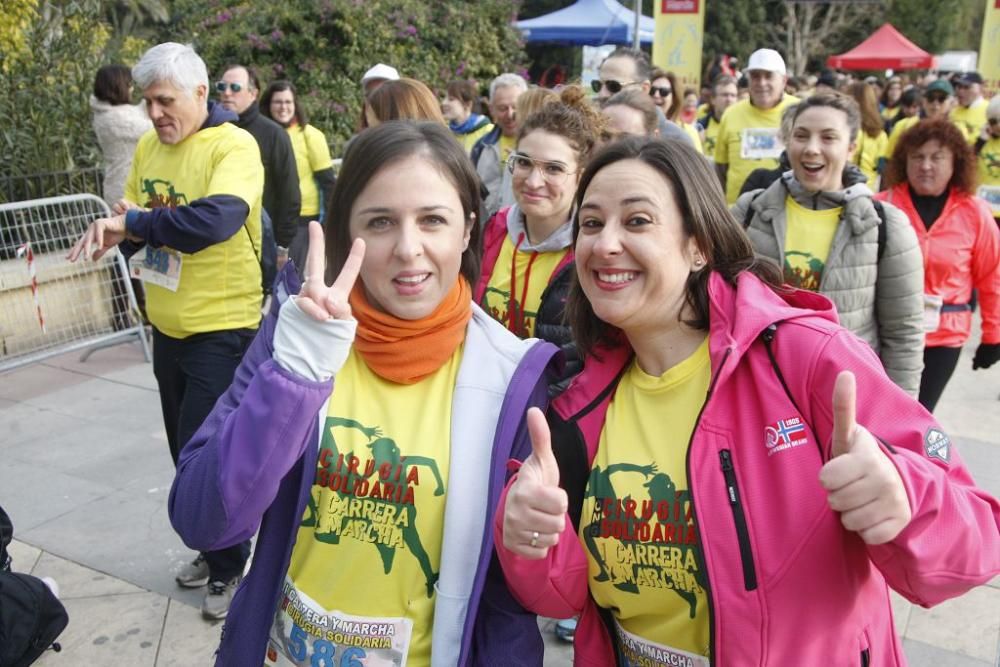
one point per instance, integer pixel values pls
(31, 616)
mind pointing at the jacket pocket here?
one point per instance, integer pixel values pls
(740, 519)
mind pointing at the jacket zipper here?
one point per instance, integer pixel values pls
(699, 553)
(739, 517)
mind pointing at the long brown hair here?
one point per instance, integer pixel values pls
(871, 120)
(704, 215)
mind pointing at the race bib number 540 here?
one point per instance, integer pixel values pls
(159, 266)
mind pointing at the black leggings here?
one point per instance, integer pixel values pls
(939, 364)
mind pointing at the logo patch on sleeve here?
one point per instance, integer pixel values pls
(937, 445)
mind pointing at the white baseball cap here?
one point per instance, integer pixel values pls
(768, 60)
(380, 71)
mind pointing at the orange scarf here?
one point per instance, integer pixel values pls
(407, 351)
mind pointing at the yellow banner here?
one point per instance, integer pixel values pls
(989, 51)
(680, 27)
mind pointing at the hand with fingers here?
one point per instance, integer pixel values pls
(101, 236)
(122, 206)
(861, 482)
(535, 513)
(315, 298)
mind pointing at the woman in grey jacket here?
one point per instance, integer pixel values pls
(820, 223)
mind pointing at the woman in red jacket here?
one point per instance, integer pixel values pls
(932, 178)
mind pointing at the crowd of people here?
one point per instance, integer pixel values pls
(664, 360)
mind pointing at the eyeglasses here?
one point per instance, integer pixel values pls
(221, 86)
(612, 85)
(554, 173)
(663, 91)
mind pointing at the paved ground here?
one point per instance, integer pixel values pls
(86, 473)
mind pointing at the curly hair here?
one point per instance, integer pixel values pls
(949, 136)
(572, 117)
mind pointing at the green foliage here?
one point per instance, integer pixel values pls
(44, 93)
(324, 46)
(927, 23)
(737, 27)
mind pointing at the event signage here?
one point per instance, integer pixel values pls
(989, 51)
(678, 39)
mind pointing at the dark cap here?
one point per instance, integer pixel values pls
(968, 78)
(941, 85)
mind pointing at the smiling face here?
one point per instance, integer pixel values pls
(766, 88)
(503, 107)
(633, 257)
(283, 107)
(819, 148)
(175, 114)
(929, 168)
(415, 232)
(656, 92)
(550, 195)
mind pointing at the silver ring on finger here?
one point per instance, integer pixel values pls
(534, 538)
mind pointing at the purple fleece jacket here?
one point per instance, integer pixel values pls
(253, 462)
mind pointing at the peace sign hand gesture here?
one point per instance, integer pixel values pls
(315, 298)
(861, 482)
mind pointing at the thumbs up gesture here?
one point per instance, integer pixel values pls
(861, 482)
(535, 513)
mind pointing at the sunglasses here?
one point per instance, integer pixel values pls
(937, 98)
(612, 85)
(221, 86)
(663, 91)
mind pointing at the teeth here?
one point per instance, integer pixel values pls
(412, 280)
(616, 277)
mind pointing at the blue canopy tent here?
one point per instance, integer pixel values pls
(588, 22)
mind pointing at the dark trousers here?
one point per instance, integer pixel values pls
(192, 373)
(939, 364)
(299, 247)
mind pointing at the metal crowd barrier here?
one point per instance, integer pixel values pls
(49, 306)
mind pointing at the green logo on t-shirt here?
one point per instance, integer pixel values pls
(647, 542)
(374, 499)
(161, 194)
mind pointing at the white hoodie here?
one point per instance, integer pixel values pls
(118, 128)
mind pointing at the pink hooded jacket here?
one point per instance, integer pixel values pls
(786, 583)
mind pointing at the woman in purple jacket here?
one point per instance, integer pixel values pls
(372, 493)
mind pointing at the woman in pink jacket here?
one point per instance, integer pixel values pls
(708, 490)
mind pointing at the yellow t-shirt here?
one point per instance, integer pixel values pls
(311, 155)
(469, 139)
(749, 139)
(368, 550)
(507, 146)
(897, 131)
(217, 288)
(989, 174)
(692, 132)
(532, 272)
(637, 525)
(711, 135)
(888, 113)
(808, 238)
(867, 154)
(970, 119)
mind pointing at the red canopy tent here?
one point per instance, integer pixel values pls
(887, 48)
